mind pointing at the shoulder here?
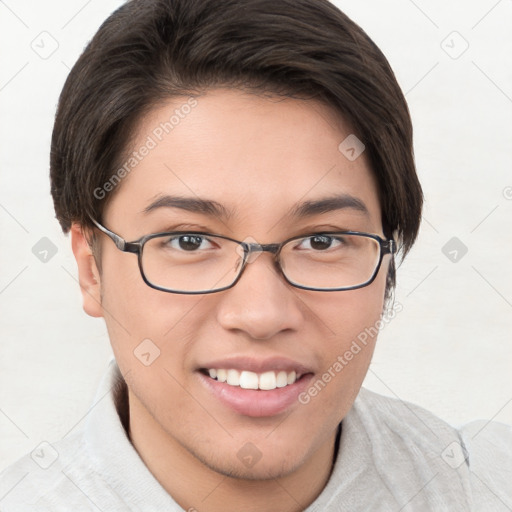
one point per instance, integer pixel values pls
(49, 478)
(489, 447)
(476, 457)
(384, 413)
(489, 440)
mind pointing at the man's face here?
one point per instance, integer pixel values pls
(259, 158)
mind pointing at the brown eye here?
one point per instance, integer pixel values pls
(320, 242)
(186, 243)
(190, 243)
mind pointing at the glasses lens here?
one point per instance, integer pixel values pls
(184, 262)
(326, 261)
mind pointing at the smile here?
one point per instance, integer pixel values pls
(255, 387)
(246, 379)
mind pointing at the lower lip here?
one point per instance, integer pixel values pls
(256, 403)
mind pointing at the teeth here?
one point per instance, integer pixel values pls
(291, 377)
(233, 378)
(250, 380)
(268, 381)
(281, 379)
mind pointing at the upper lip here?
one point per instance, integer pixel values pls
(251, 364)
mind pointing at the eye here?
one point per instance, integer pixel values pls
(189, 243)
(320, 242)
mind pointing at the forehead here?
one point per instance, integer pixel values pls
(254, 155)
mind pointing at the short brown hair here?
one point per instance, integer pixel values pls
(151, 50)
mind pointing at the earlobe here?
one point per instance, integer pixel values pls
(88, 273)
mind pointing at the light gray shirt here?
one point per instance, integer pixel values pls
(393, 456)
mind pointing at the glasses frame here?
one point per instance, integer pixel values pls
(388, 246)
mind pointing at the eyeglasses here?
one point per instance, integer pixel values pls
(191, 262)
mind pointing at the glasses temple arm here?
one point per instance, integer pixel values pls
(120, 242)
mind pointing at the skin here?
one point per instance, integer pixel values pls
(229, 149)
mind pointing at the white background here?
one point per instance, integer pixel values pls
(448, 350)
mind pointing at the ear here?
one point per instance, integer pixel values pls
(88, 273)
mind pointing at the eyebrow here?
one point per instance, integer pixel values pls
(339, 202)
(190, 204)
(215, 209)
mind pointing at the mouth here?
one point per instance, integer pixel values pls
(246, 379)
(256, 389)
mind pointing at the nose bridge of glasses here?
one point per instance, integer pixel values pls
(252, 250)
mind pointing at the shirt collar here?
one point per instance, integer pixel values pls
(114, 457)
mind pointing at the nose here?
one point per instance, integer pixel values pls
(261, 304)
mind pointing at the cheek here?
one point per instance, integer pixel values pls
(352, 320)
(349, 314)
(141, 320)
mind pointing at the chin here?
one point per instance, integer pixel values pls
(247, 461)
(261, 470)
